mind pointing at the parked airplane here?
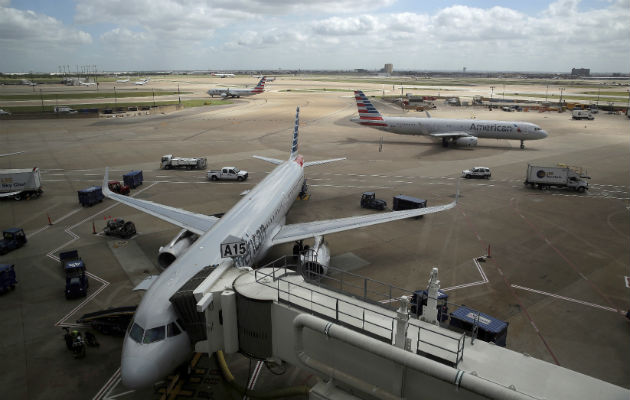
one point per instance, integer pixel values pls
(220, 75)
(225, 92)
(88, 83)
(122, 80)
(461, 132)
(142, 81)
(156, 341)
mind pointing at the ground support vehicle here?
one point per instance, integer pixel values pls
(582, 114)
(477, 172)
(227, 173)
(20, 183)
(76, 281)
(559, 176)
(168, 162)
(12, 238)
(479, 325)
(7, 277)
(403, 202)
(133, 179)
(118, 227)
(369, 200)
(90, 196)
(117, 187)
(74, 342)
(113, 321)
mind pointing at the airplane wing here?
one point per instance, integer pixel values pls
(449, 134)
(197, 223)
(270, 160)
(305, 230)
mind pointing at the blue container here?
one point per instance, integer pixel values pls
(90, 196)
(490, 329)
(7, 277)
(133, 179)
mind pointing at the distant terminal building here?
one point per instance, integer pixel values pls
(581, 72)
(388, 68)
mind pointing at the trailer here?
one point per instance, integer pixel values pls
(20, 183)
(480, 325)
(133, 179)
(90, 196)
(403, 202)
(7, 277)
(559, 175)
(168, 162)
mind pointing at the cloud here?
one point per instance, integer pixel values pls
(26, 27)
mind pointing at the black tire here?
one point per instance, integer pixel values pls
(213, 178)
(467, 177)
(239, 178)
(580, 189)
(18, 197)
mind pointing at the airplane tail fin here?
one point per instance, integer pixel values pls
(260, 87)
(294, 143)
(367, 110)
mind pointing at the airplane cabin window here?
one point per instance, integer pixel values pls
(136, 333)
(154, 335)
(172, 330)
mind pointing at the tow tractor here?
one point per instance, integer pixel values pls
(117, 187)
(12, 238)
(118, 227)
(369, 200)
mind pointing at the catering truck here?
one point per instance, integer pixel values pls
(559, 176)
(168, 162)
(20, 183)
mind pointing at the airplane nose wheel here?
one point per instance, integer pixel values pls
(522, 145)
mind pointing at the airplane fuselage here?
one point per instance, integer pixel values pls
(255, 219)
(484, 129)
(233, 92)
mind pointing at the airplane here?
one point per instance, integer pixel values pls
(260, 87)
(156, 342)
(122, 80)
(142, 81)
(461, 132)
(88, 83)
(220, 75)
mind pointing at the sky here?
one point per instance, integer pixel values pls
(481, 35)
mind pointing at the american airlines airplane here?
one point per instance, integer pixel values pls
(156, 342)
(460, 132)
(142, 81)
(225, 92)
(220, 75)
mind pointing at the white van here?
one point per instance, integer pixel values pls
(582, 114)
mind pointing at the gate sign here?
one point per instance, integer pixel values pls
(233, 249)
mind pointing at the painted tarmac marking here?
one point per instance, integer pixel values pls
(254, 378)
(557, 296)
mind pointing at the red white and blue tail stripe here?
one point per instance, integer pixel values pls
(294, 144)
(368, 114)
(260, 87)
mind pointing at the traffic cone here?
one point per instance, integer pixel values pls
(49, 221)
(93, 228)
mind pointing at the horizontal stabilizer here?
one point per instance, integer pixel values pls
(311, 163)
(270, 160)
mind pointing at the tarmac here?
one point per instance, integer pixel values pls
(558, 259)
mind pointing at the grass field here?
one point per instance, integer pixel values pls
(124, 106)
(84, 95)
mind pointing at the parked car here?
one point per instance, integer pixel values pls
(477, 172)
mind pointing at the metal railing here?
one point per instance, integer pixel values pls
(317, 295)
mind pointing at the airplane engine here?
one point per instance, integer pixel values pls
(169, 253)
(466, 141)
(317, 258)
(224, 95)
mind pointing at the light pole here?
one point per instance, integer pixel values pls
(561, 90)
(115, 97)
(546, 93)
(491, 93)
(504, 91)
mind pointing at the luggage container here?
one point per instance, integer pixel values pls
(419, 299)
(90, 196)
(133, 179)
(403, 202)
(489, 329)
(7, 277)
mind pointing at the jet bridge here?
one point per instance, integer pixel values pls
(356, 335)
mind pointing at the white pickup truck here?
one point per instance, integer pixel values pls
(227, 173)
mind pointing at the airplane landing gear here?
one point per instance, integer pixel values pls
(522, 145)
(444, 142)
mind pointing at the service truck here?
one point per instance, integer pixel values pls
(76, 281)
(559, 176)
(20, 183)
(582, 114)
(227, 173)
(168, 162)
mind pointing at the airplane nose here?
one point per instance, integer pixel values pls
(137, 373)
(543, 134)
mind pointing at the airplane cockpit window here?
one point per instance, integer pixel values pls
(537, 129)
(172, 330)
(136, 333)
(154, 334)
